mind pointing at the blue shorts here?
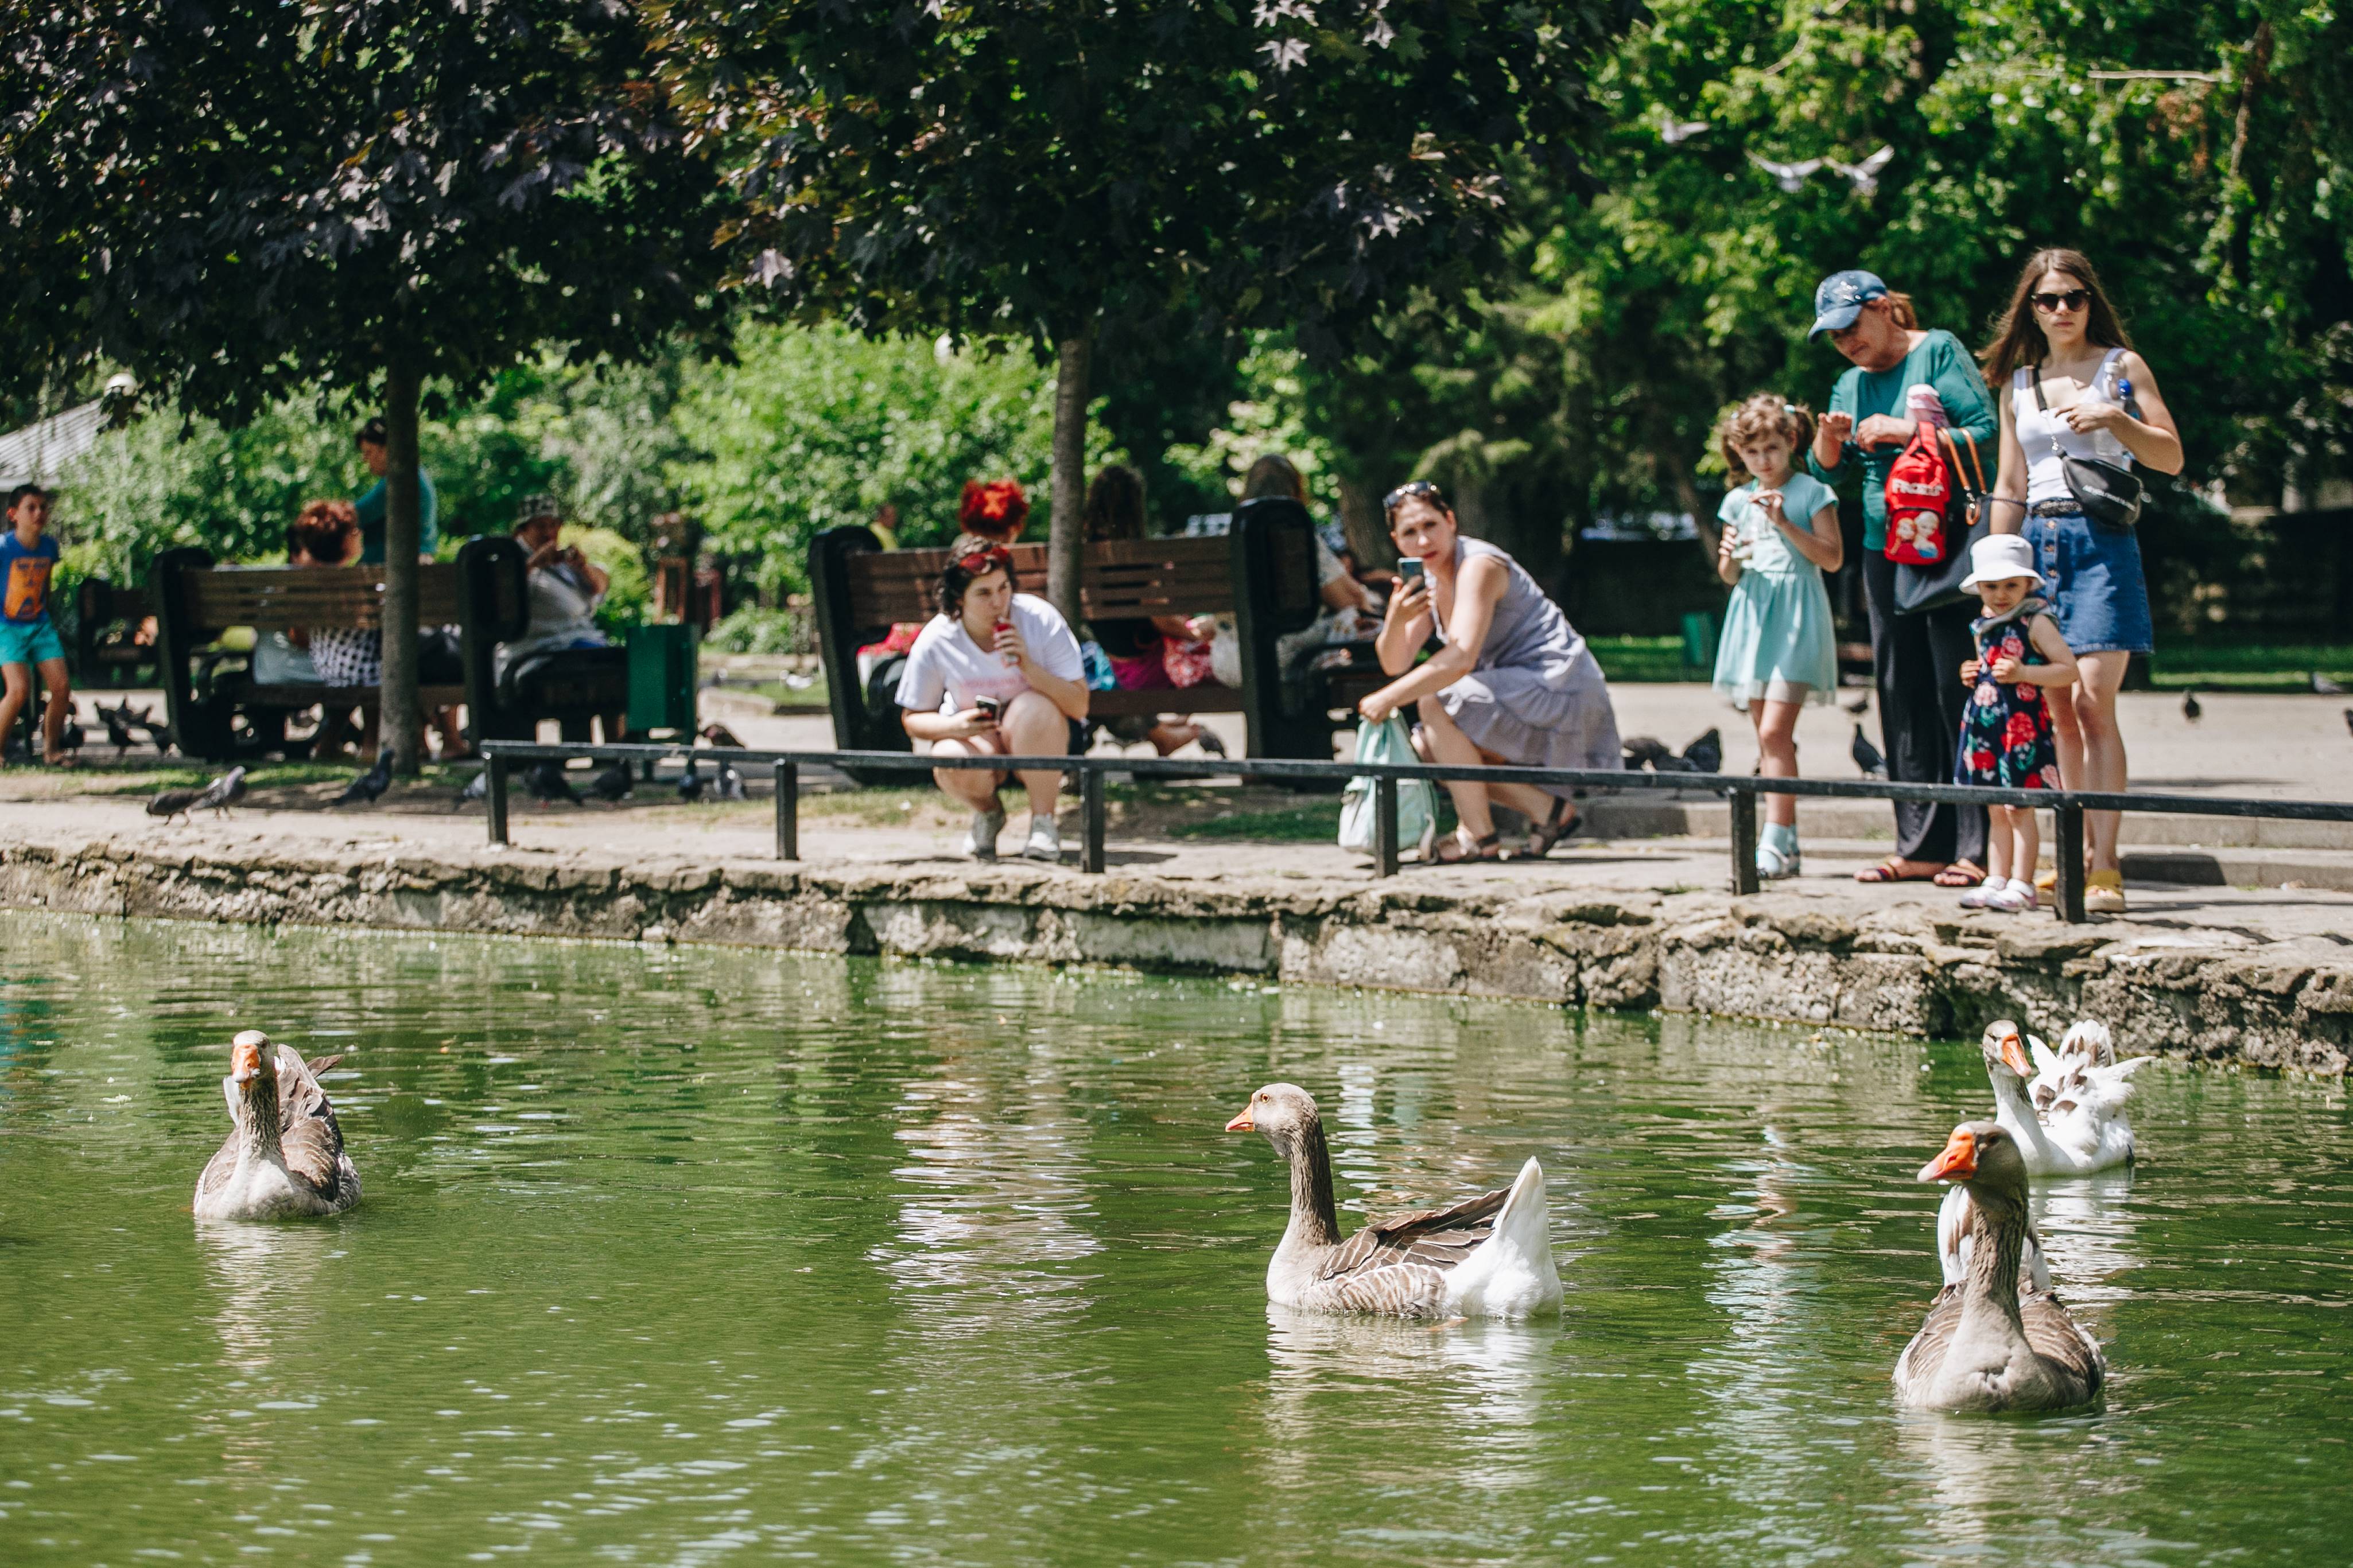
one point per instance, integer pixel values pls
(2092, 576)
(30, 642)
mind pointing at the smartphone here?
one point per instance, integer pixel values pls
(1409, 571)
(992, 708)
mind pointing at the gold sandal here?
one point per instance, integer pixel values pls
(2104, 893)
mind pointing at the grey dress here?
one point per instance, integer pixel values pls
(1537, 696)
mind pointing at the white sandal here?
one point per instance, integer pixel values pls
(1983, 894)
(1772, 866)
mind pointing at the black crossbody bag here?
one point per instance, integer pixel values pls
(2110, 496)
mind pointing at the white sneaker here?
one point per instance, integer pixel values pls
(980, 839)
(1983, 894)
(1045, 839)
(2011, 899)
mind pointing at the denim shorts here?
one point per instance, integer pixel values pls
(30, 642)
(2092, 576)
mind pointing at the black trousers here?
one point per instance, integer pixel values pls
(1918, 661)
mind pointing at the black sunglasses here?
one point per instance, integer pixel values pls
(1412, 489)
(2072, 299)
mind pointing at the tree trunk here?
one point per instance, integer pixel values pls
(1066, 533)
(401, 720)
(1679, 477)
(1366, 524)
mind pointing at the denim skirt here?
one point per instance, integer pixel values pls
(2092, 576)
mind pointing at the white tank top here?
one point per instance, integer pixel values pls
(2045, 479)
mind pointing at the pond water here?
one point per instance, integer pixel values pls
(675, 1257)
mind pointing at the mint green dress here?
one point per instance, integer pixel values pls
(1778, 642)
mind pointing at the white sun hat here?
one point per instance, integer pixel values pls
(1999, 556)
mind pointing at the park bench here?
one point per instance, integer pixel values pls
(219, 712)
(1262, 573)
(105, 646)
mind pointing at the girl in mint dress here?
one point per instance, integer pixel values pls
(1779, 651)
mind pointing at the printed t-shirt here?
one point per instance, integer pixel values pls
(25, 601)
(947, 670)
(1941, 362)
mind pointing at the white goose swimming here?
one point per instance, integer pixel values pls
(284, 1158)
(1488, 1257)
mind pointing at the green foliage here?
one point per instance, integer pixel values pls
(815, 428)
(629, 592)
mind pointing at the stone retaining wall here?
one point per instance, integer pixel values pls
(1906, 967)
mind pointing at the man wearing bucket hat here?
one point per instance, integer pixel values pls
(1913, 656)
(2005, 736)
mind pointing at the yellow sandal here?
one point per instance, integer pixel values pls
(2104, 893)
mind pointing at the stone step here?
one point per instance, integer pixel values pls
(1630, 816)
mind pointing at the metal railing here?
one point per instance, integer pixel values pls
(1739, 791)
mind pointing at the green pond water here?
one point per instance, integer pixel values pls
(689, 1257)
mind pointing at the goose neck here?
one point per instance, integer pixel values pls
(1990, 1287)
(257, 1123)
(1315, 1217)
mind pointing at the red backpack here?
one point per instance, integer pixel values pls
(1921, 495)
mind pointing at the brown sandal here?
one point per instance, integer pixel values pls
(1964, 873)
(1554, 829)
(1892, 871)
(1452, 853)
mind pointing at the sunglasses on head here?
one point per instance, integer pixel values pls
(981, 561)
(2071, 299)
(1422, 488)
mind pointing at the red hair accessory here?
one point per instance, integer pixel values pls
(995, 509)
(984, 560)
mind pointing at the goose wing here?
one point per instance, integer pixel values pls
(2052, 1332)
(308, 1133)
(1916, 1368)
(1435, 1238)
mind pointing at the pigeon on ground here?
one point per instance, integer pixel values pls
(2325, 687)
(1675, 132)
(799, 682)
(615, 783)
(2190, 708)
(117, 721)
(1865, 174)
(1860, 705)
(160, 734)
(1790, 177)
(548, 783)
(2349, 718)
(369, 787)
(716, 677)
(731, 783)
(215, 798)
(1644, 749)
(1866, 756)
(477, 788)
(721, 736)
(1706, 753)
(690, 783)
(171, 803)
(71, 737)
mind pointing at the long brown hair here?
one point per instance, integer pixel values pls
(323, 529)
(2018, 339)
(1114, 508)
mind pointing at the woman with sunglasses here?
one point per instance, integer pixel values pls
(2076, 389)
(1514, 683)
(996, 673)
(1913, 656)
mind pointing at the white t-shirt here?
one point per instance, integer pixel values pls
(947, 670)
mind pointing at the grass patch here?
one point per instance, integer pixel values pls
(1312, 822)
(1643, 659)
(814, 696)
(2231, 666)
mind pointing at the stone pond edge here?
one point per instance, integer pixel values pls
(1906, 969)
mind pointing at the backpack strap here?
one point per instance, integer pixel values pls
(1976, 464)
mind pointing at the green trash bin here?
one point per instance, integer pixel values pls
(1699, 642)
(661, 678)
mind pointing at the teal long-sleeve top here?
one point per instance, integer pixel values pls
(372, 506)
(1942, 363)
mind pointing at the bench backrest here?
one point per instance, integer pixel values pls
(1120, 580)
(282, 598)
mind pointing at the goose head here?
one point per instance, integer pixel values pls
(2005, 1050)
(1285, 1113)
(252, 1082)
(1985, 1159)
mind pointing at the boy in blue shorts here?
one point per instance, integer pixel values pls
(28, 640)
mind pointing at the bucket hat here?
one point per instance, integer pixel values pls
(1999, 556)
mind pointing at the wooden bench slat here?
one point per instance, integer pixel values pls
(284, 598)
(1124, 579)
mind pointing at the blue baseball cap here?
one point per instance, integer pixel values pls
(1839, 299)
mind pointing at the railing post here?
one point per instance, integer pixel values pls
(788, 811)
(495, 796)
(1090, 820)
(2067, 854)
(1385, 825)
(1743, 802)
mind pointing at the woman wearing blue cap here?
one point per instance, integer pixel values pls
(1913, 656)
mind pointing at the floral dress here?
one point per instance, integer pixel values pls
(2006, 732)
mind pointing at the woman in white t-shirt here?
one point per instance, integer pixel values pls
(994, 672)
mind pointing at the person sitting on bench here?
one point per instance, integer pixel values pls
(564, 588)
(996, 672)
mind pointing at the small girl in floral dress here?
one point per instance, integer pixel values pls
(2006, 731)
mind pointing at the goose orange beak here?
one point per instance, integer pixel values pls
(1959, 1162)
(2013, 1055)
(244, 1061)
(1242, 1123)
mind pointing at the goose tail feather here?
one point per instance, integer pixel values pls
(1512, 1274)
